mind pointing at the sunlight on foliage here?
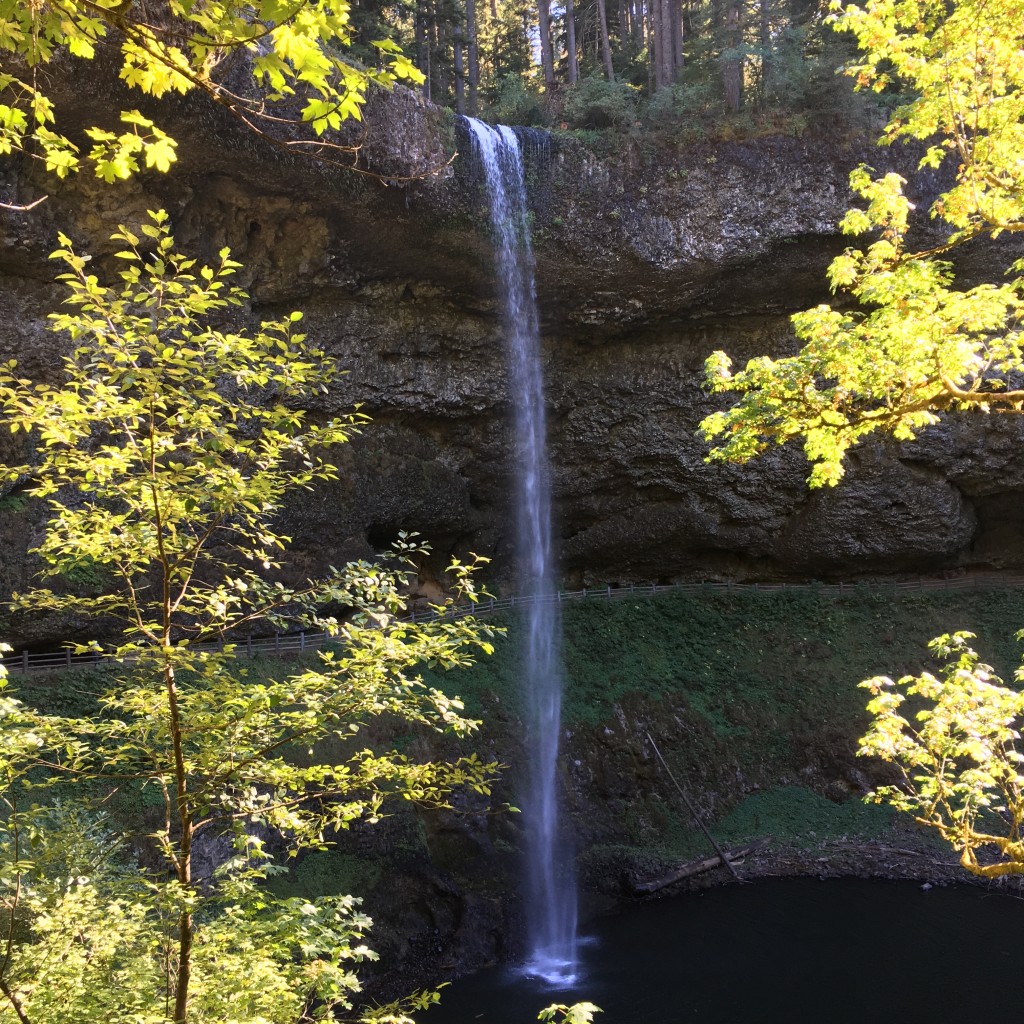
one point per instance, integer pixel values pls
(910, 345)
(290, 52)
(957, 754)
(914, 343)
(577, 1013)
(165, 456)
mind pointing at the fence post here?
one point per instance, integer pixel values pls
(248, 645)
(24, 662)
(277, 642)
(302, 639)
(609, 594)
(67, 658)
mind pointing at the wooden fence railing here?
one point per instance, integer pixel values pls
(297, 643)
(60, 661)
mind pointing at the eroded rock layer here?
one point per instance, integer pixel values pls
(646, 263)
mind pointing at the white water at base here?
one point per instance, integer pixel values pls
(550, 884)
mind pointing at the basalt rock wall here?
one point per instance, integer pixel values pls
(646, 263)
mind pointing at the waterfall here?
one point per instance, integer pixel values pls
(551, 887)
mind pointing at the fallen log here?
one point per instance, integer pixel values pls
(722, 858)
(697, 867)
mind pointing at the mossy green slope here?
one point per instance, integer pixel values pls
(752, 697)
(796, 648)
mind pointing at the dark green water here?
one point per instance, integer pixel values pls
(794, 951)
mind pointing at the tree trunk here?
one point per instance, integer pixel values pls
(422, 52)
(732, 64)
(440, 37)
(460, 72)
(686, 21)
(655, 40)
(12, 998)
(547, 62)
(695, 868)
(606, 48)
(495, 43)
(183, 974)
(666, 71)
(573, 67)
(677, 38)
(766, 48)
(474, 56)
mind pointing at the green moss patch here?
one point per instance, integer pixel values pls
(328, 873)
(797, 816)
(801, 651)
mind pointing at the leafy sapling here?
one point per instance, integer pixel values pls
(165, 454)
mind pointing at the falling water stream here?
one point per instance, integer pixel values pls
(551, 888)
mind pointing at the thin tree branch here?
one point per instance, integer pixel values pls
(23, 207)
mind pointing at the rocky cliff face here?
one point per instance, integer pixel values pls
(646, 263)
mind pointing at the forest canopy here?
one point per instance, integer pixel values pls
(594, 64)
(676, 65)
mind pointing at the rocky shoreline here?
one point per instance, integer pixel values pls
(845, 858)
(906, 855)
